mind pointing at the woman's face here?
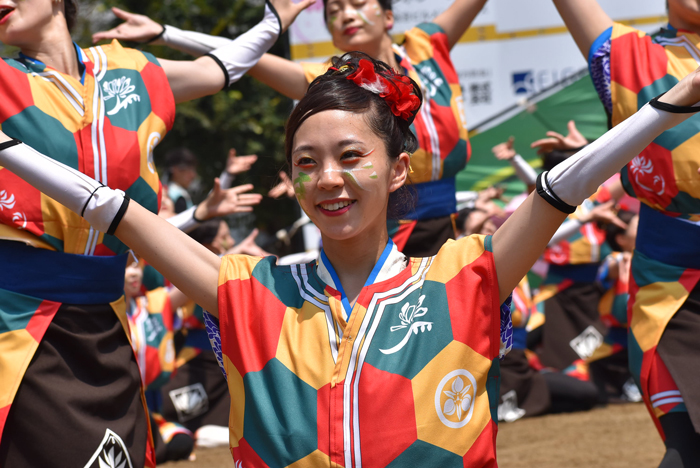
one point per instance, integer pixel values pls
(132, 280)
(357, 24)
(223, 240)
(342, 175)
(24, 22)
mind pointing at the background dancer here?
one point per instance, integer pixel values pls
(628, 68)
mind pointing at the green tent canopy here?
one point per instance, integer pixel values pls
(574, 98)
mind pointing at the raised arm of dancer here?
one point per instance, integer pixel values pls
(523, 237)
(280, 74)
(585, 20)
(457, 18)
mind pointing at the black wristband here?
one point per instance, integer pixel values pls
(82, 212)
(156, 37)
(227, 81)
(118, 217)
(194, 215)
(9, 144)
(551, 197)
(672, 108)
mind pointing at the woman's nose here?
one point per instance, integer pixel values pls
(331, 177)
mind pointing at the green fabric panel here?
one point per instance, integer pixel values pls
(646, 271)
(493, 388)
(53, 140)
(277, 280)
(16, 310)
(578, 100)
(127, 103)
(421, 453)
(279, 421)
(152, 279)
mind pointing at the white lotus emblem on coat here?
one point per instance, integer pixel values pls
(108, 460)
(455, 397)
(19, 219)
(7, 200)
(408, 315)
(121, 89)
(641, 166)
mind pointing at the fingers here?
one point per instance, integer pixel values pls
(232, 153)
(249, 199)
(240, 188)
(303, 5)
(555, 135)
(121, 14)
(285, 177)
(111, 34)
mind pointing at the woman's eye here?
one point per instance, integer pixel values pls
(304, 162)
(350, 155)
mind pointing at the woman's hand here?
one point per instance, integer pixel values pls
(135, 28)
(239, 164)
(686, 92)
(557, 141)
(224, 202)
(288, 10)
(504, 151)
(249, 247)
(284, 187)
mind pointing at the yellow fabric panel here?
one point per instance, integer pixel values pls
(421, 165)
(119, 308)
(345, 350)
(686, 164)
(304, 346)
(624, 102)
(606, 302)
(50, 100)
(680, 62)
(62, 223)
(185, 355)
(156, 300)
(16, 350)
(418, 46)
(314, 69)
(428, 393)
(580, 251)
(603, 351)
(166, 353)
(10, 233)
(454, 256)
(150, 132)
(236, 267)
(653, 307)
(120, 57)
(620, 29)
(313, 460)
(237, 411)
(457, 105)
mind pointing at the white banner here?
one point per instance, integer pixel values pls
(513, 49)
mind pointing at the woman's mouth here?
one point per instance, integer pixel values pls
(335, 208)
(5, 12)
(351, 31)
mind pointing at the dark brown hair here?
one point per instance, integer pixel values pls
(333, 91)
(384, 4)
(70, 11)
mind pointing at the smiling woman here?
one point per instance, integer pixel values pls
(364, 357)
(65, 356)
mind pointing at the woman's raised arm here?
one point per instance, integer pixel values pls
(192, 79)
(190, 266)
(457, 18)
(523, 237)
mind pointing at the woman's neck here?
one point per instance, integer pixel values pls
(56, 50)
(383, 51)
(685, 20)
(353, 259)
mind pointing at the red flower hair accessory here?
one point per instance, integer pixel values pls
(396, 90)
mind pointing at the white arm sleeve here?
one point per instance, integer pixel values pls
(225, 180)
(100, 205)
(239, 55)
(578, 177)
(567, 229)
(191, 42)
(523, 170)
(185, 221)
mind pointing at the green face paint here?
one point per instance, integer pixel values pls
(363, 17)
(298, 184)
(331, 21)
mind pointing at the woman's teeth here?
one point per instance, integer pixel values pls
(335, 206)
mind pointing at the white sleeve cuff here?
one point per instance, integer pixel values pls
(191, 42)
(523, 170)
(185, 221)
